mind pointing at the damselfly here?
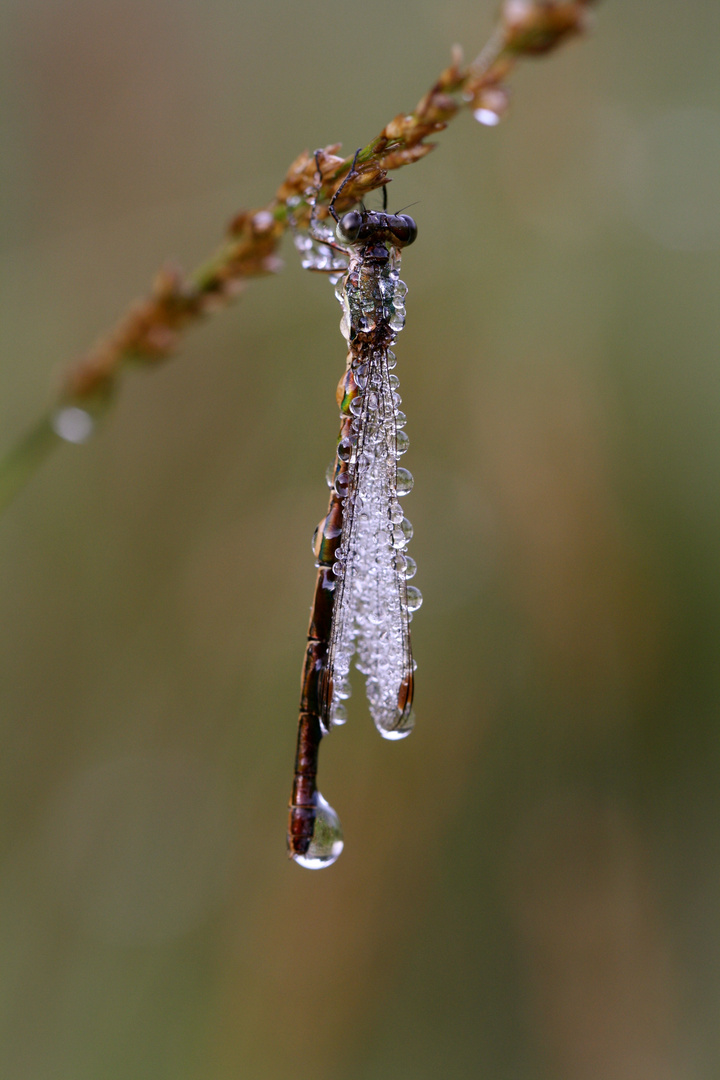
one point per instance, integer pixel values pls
(362, 604)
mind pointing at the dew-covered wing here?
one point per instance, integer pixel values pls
(370, 615)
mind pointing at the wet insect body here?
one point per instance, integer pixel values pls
(362, 604)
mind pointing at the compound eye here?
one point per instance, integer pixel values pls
(349, 225)
(405, 230)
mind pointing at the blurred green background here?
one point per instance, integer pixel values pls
(530, 885)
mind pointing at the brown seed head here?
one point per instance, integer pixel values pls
(534, 27)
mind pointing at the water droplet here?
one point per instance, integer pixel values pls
(346, 449)
(356, 405)
(263, 221)
(487, 117)
(414, 598)
(330, 474)
(391, 359)
(398, 540)
(327, 838)
(410, 568)
(407, 530)
(402, 442)
(403, 481)
(73, 424)
(402, 731)
(342, 689)
(341, 667)
(491, 105)
(400, 419)
(338, 714)
(342, 483)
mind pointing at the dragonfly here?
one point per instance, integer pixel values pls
(363, 603)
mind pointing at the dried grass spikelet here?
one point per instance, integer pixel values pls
(534, 27)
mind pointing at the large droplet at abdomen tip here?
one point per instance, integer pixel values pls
(327, 839)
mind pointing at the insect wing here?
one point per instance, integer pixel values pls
(370, 616)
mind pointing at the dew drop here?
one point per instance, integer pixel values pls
(342, 689)
(327, 838)
(72, 424)
(330, 474)
(401, 731)
(491, 105)
(342, 483)
(338, 714)
(341, 668)
(345, 449)
(487, 117)
(263, 221)
(407, 530)
(410, 568)
(414, 598)
(402, 442)
(398, 540)
(404, 481)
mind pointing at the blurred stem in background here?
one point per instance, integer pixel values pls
(150, 330)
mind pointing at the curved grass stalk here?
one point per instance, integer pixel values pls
(150, 329)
